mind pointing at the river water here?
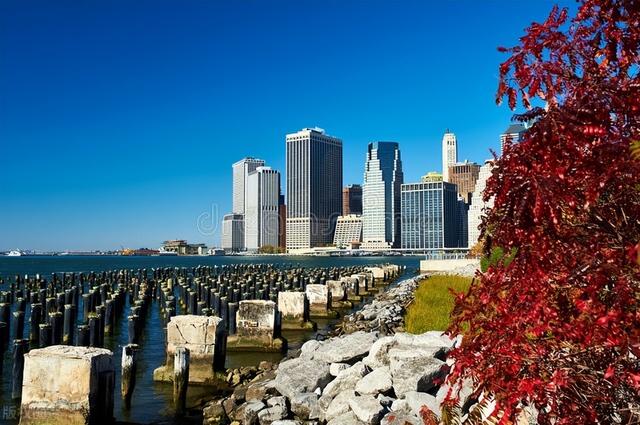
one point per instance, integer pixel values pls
(152, 402)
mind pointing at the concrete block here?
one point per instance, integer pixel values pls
(67, 385)
(257, 327)
(294, 310)
(319, 298)
(206, 340)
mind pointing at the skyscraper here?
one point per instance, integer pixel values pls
(464, 175)
(381, 196)
(261, 218)
(240, 171)
(431, 216)
(478, 207)
(352, 199)
(449, 153)
(513, 132)
(314, 187)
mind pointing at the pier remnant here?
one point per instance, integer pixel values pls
(319, 298)
(180, 379)
(257, 328)
(206, 340)
(129, 367)
(67, 385)
(294, 310)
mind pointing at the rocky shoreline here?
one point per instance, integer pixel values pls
(370, 372)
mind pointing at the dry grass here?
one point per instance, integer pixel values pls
(433, 303)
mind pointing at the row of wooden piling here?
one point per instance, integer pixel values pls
(81, 309)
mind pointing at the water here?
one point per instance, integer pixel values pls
(152, 402)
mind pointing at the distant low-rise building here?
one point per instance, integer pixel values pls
(348, 231)
(232, 232)
(182, 247)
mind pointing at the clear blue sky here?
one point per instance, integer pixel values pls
(119, 120)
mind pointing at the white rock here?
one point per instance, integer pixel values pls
(417, 400)
(301, 375)
(367, 409)
(272, 414)
(346, 348)
(302, 404)
(379, 352)
(378, 381)
(335, 368)
(339, 405)
(348, 418)
(412, 371)
(346, 380)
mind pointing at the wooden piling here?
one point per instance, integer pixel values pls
(18, 325)
(68, 325)
(129, 368)
(20, 347)
(44, 339)
(180, 379)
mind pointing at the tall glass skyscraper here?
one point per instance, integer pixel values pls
(432, 216)
(381, 196)
(314, 188)
(261, 208)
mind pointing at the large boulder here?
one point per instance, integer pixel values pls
(339, 405)
(303, 404)
(367, 409)
(378, 381)
(417, 401)
(271, 414)
(348, 418)
(393, 418)
(411, 370)
(346, 380)
(247, 413)
(347, 348)
(301, 375)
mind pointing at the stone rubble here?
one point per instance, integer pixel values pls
(367, 374)
(385, 313)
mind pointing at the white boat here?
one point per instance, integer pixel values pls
(15, 253)
(164, 253)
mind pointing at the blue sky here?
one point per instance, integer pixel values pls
(119, 120)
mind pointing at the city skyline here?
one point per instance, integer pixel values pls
(138, 150)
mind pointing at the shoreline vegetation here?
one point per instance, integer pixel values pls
(433, 303)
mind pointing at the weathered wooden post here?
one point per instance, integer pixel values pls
(45, 335)
(129, 368)
(180, 379)
(20, 347)
(83, 336)
(94, 332)
(18, 325)
(132, 327)
(34, 322)
(67, 333)
(108, 317)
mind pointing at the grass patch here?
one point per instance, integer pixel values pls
(431, 308)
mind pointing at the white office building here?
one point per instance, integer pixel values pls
(348, 231)
(241, 170)
(383, 178)
(478, 207)
(232, 232)
(314, 188)
(261, 220)
(449, 153)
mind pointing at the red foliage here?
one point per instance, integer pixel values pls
(556, 327)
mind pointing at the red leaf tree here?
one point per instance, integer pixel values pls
(558, 327)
